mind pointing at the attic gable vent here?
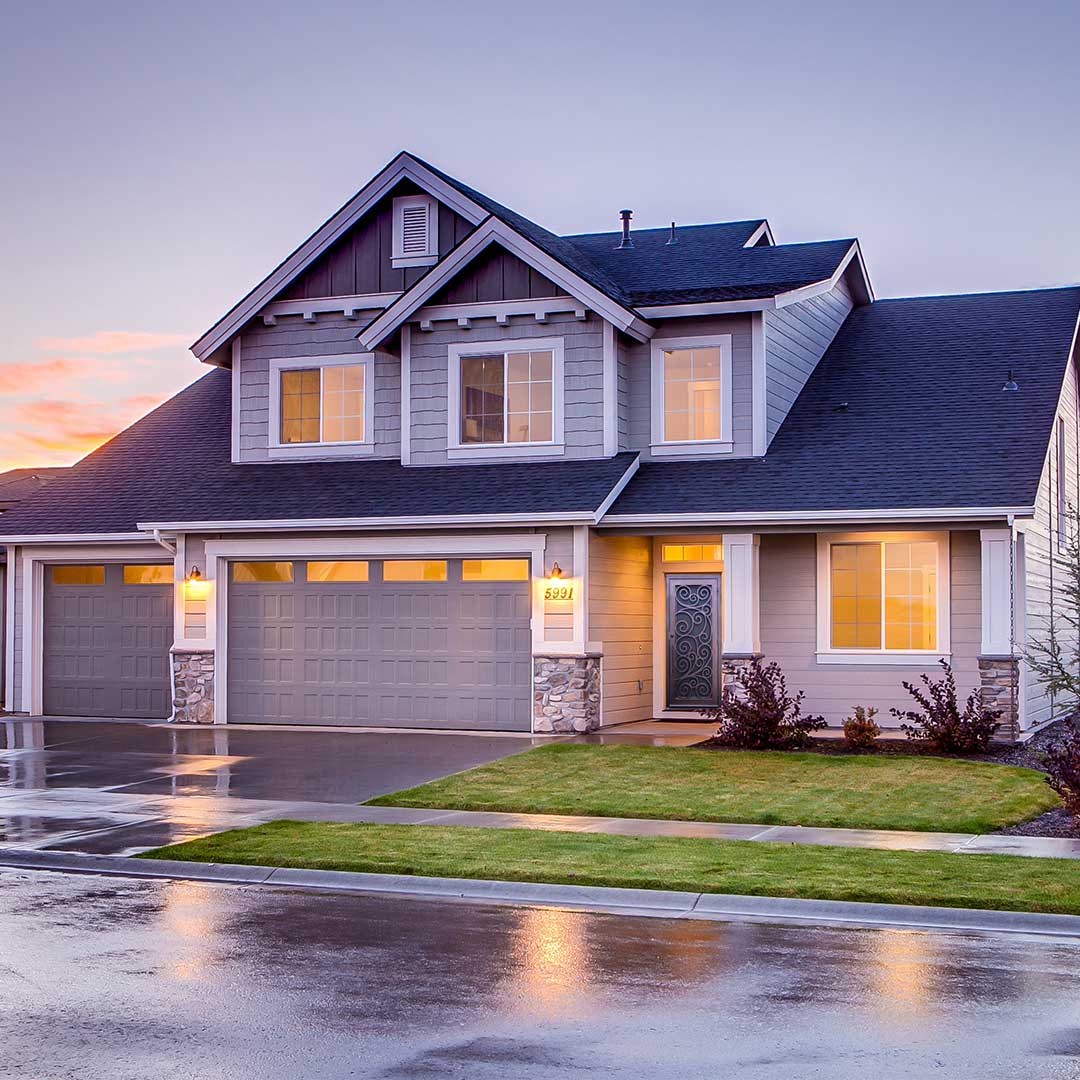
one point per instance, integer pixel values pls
(416, 231)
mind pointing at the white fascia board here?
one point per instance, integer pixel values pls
(762, 230)
(539, 308)
(617, 490)
(709, 307)
(77, 538)
(344, 547)
(402, 167)
(585, 517)
(854, 254)
(825, 517)
(495, 231)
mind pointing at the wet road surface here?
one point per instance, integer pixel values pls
(116, 978)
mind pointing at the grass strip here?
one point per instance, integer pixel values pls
(1001, 882)
(759, 787)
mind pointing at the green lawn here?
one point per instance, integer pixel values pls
(725, 866)
(769, 787)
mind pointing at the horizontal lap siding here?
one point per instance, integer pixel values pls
(1045, 581)
(639, 379)
(559, 614)
(195, 609)
(329, 335)
(789, 631)
(583, 375)
(620, 619)
(796, 338)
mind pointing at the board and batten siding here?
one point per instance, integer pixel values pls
(788, 586)
(583, 382)
(328, 335)
(1044, 581)
(361, 261)
(639, 374)
(621, 619)
(496, 274)
(796, 338)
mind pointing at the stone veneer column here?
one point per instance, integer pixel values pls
(566, 694)
(1000, 688)
(193, 687)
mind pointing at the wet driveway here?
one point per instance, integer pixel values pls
(115, 978)
(118, 788)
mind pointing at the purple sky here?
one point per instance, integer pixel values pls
(159, 159)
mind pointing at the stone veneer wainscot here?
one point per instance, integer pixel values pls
(193, 687)
(566, 694)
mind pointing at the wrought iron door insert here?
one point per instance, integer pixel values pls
(693, 640)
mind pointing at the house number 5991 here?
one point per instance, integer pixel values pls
(559, 592)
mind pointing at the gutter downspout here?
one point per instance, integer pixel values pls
(170, 548)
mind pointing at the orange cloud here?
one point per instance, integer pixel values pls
(108, 342)
(23, 377)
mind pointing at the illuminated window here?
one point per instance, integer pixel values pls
(495, 570)
(414, 570)
(324, 404)
(78, 575)
(156, 574)
(692, 395)
(884, 595)
(337, 571)
(250, 573)
(693, 553)
(507, 398)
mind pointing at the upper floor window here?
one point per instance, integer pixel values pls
(887, 595)
(501, 397)
(416, 231)
(691, 384)
(320, 403)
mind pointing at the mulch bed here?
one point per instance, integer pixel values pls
(1026, 755)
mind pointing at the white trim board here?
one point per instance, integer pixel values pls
(349, 306)
(585, 517)
(404, 166)
(662, 447)
(494, 231)
(459, 350)
(816, 517)
(501, 311)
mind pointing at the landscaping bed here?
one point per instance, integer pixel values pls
(1000, 882)
(866, 791)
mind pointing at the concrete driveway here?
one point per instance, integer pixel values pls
(122, 787)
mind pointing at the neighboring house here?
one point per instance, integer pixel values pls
(16, 485)
(451, 470)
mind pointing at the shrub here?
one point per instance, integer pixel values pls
(939, 720)
(1062, 764)
(756, 712)
(860, 730)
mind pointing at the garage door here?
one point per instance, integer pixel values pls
(108, 630)
(394, 643)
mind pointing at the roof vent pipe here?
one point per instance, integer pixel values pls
(671, 238)
(626, 241)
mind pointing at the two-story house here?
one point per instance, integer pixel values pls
(450, 470)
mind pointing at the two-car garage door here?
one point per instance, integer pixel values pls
(387, 643)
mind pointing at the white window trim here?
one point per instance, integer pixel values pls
(659, 445)
(398, 257)
(456, 351)
(826, 654)
(278, 449)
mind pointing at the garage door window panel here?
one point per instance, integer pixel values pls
(148, 574)
(254, 573)
(337, 572)
(414, 570)
(78, 575)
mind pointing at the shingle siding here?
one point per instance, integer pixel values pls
(796, 338)
(582, 387)
(329, 335)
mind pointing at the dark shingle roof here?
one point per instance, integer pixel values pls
(19, 484)
(708, 262)
(926, 422)
(174, 465)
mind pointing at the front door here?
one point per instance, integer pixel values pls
(693, 641)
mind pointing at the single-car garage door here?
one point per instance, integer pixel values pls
(108, 630)
(384, 643)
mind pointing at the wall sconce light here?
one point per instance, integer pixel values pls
(555, 573)
(194, 585)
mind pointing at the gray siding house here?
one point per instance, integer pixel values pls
(450, 470)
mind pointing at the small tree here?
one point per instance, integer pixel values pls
(756, 711)
(861, 729)
(939, 719)
(1062, 763)
(1054, 654)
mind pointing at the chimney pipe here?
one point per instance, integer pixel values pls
(626, 241)
(671, 238)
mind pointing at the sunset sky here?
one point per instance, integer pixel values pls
(159, 159)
